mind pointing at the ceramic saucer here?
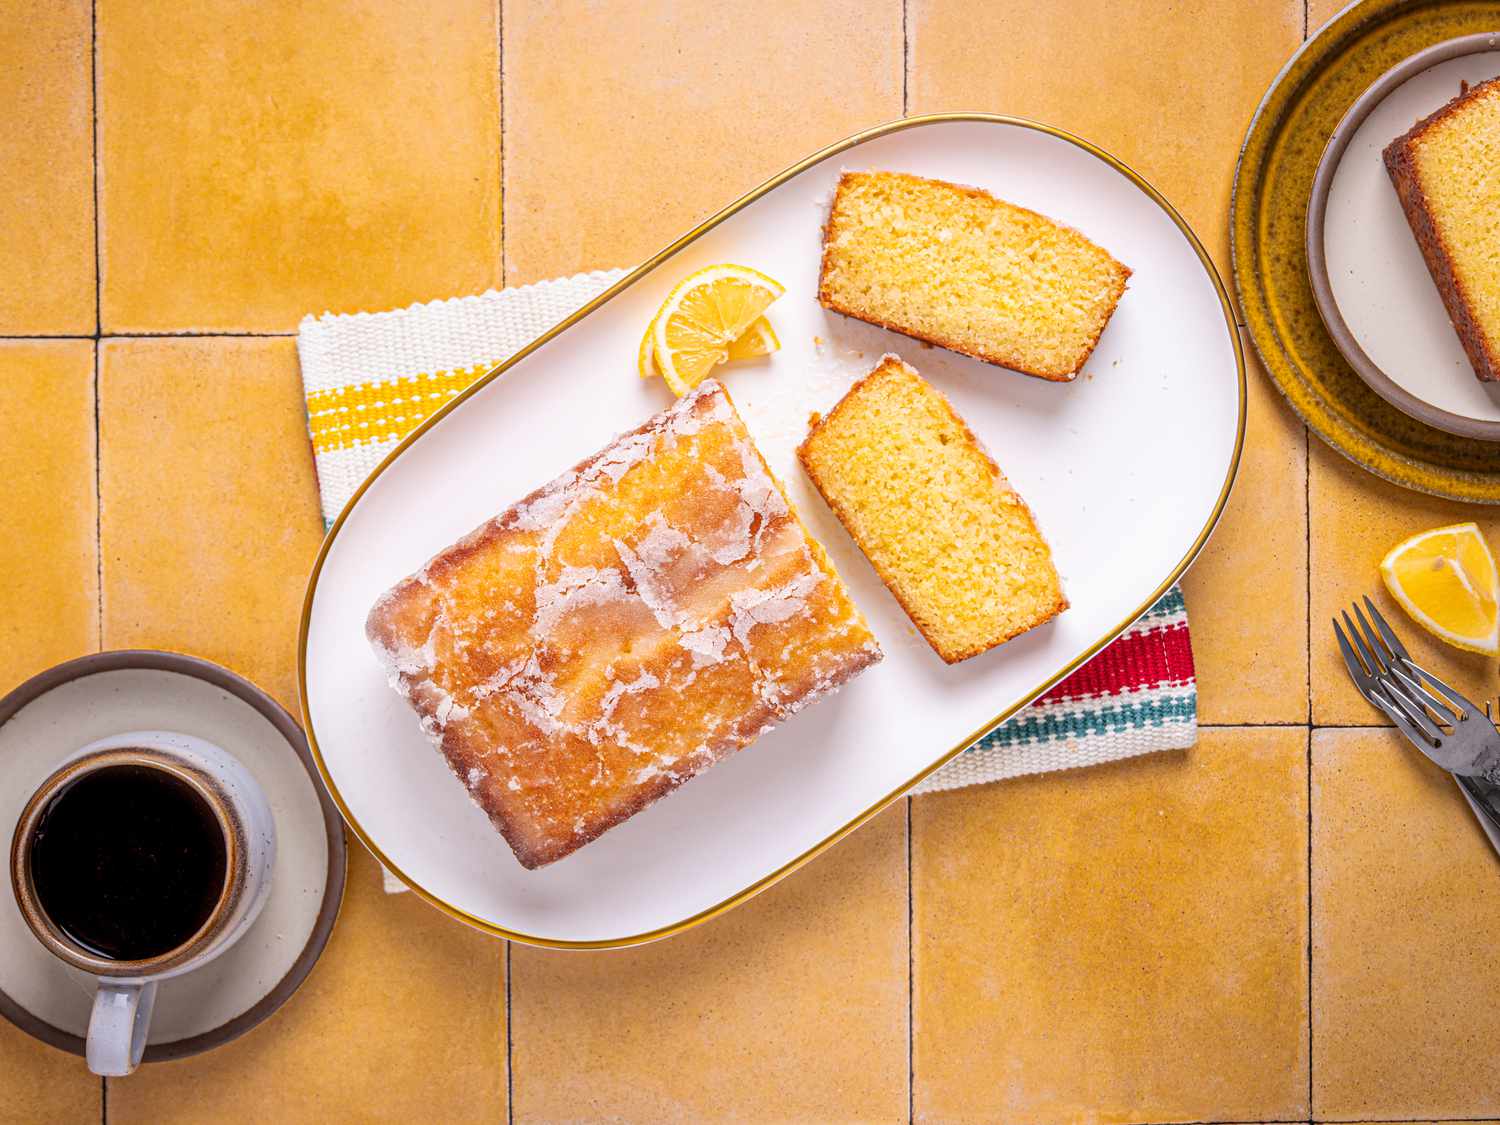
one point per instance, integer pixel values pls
(53, 714)
(1369, 281)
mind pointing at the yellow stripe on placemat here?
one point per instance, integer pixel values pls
(379, 411)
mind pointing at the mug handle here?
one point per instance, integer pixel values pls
(118, 1026)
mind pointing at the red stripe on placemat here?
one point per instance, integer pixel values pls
(1156, 656)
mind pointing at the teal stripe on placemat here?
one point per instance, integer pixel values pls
(1112, 718)
(1168, 604)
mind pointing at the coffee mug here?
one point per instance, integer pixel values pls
(144, 856)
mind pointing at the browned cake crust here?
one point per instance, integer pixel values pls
(829, 300)
(1400, 164)
(620, 630)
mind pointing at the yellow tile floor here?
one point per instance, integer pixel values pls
(1286, 923)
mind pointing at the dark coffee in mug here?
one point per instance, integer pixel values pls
(129, 861)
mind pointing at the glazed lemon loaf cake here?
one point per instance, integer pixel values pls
(620, 630)
(957, 267)
(1447, 176)
(952, 540)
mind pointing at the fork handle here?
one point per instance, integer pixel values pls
(1486, 805)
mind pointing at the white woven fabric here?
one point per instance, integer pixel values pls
(1068, 729)
(463, 332)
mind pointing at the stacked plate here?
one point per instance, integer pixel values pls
(1335, 294)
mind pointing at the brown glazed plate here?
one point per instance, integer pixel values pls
(1368, 278)
(56, 712)
(1283, 148)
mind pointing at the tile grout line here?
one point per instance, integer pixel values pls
(911, 979)
(905, 60)
(50, 336)
(98, 435)
(1307, 562)
(190, 334)
(98, 510)
(510, 1070)
(500, 113)
(1299, 724)
(1309, 922)
(1296, 726)
(502, 244)
(504, 164)
(94, 97)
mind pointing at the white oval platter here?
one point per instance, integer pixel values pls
(1127, 470)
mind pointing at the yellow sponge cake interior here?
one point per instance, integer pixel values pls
(933, 513)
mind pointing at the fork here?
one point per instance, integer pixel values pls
(1447, 729)
(1437, 720)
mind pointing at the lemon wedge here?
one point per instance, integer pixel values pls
(645, 359)
(703, 317)
(1446, 580)
(757, 340)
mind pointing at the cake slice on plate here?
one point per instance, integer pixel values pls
(1446, 170)
(950, 537)
(957, 267)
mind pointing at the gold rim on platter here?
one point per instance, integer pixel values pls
(1268, 226)
(614, 290)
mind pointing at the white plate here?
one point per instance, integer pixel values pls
(1376, 277)
(1127, 469)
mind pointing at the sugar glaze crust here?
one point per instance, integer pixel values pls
(619, 630)
(1401, 166)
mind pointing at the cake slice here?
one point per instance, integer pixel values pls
(1447, 175)
(957, 267)
(620, 630)
(933, 513)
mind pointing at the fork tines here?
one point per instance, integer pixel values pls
(1387, 676)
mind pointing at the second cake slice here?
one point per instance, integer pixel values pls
(952, 540)
(955, 266)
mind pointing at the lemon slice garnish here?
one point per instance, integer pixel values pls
(757, 340)
(645, 359)
(1446, 580)
(703, 317)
